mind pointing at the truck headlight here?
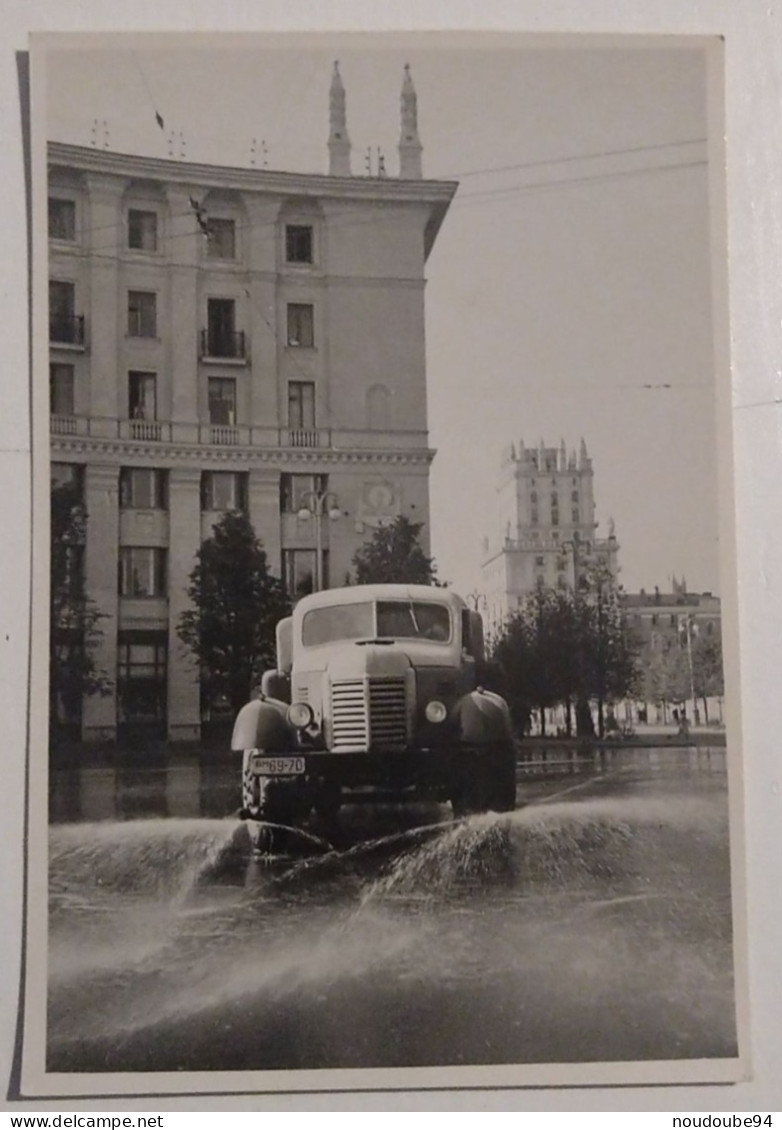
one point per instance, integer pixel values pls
(436, 711)
(300, 715)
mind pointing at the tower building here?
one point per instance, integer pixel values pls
(230, 338)
(547, 531)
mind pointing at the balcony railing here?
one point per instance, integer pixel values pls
(196, 434)
(63, 425)
(225, 344)
(223, 435)
(302, 437)
(67, 329)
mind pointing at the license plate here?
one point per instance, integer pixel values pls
(278, 766)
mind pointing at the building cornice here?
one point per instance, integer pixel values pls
(115, 451)
(268, 181)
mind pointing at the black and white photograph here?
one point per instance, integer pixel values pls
(389, 730)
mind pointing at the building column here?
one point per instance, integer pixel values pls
(184, 312)
(184, 700)
(104, 332)
(264, 504)
(101, 496)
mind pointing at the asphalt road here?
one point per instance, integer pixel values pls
(593, 924)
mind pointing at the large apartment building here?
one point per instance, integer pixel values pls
(227, 338)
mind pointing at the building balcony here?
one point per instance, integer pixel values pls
(304, 437)
(224, 346)
(67, 330)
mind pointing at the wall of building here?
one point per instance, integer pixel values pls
(365, 432)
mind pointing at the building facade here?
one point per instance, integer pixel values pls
(547, 532)
(225, 338)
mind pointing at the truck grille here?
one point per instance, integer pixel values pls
(368, 714)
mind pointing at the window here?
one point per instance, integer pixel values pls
(142, 571)
(301, 404)
(576, 515)
(142, 396)
(298, 243)
(223, 490)
(61, 390)
(298, 572)
(533, 496)
(574, 496)
(222, 401)
(67, 475)
(221, 239)
(221, 337)
(554, 516)
(540, 562)
(534, 516)
(62, 219)
(141, 676)
(142, 230)
(143, 488)
(142, 313)
(300, 325)
(293, 488)
(561, 564)
(64, 326)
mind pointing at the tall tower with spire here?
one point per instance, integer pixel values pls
(546, 529)
(339, 142)
(409, 142)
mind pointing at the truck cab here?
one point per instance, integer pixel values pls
(376, 695)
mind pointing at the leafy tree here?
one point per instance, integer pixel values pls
(568, 647)
(609, 650)
(236, 605)
(73, 618)
(394, 555)
(707, 670)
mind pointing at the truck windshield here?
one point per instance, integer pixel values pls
(388, 619)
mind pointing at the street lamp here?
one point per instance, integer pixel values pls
(319, 504)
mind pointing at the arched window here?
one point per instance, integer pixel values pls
(378, 408)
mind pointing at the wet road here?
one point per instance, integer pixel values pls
(592, 924)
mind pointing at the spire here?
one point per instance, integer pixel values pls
(409, 143)
(583, 458)
(339, 142)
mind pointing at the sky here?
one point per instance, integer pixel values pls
(568, 291)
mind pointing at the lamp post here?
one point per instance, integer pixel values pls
(319, 504)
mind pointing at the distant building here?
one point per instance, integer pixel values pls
(546, 527)
(226, 338)
(660, 619)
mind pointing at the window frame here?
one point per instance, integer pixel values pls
(137, 407)
(62, 201)
(134, 216)
(304, 405)
(295, 232)
(71, 397)
(214, 241)
(158, 493)
(213, 383)
(141, 313)
(300, 325)
(239, 493)
(156, 568)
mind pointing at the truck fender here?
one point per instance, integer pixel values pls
(262, 724)
(483, 719)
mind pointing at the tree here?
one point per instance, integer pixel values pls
(73, 617)
(707, 671)
(393, 555)
(237, 603)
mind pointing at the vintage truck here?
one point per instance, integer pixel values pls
(376, 697)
